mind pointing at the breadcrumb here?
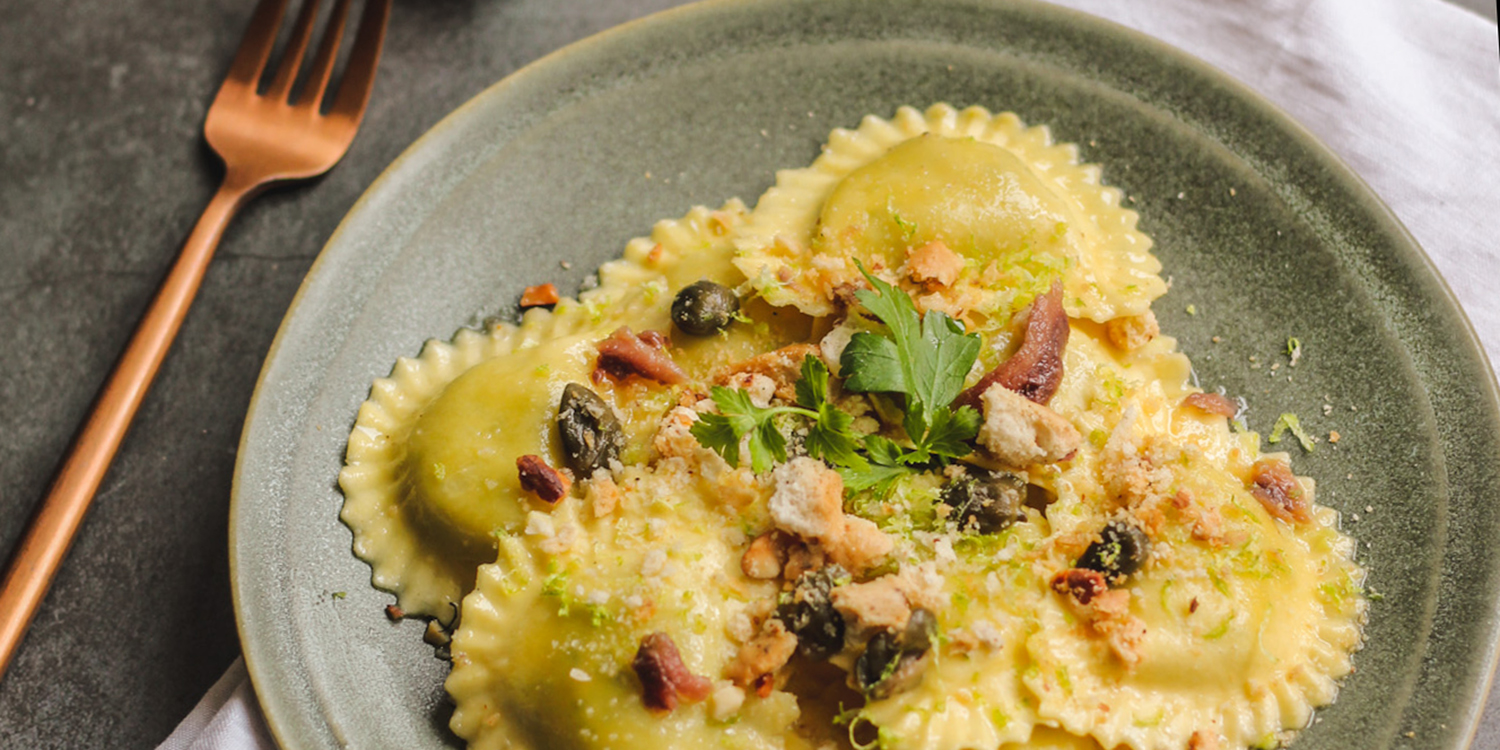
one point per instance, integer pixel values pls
(1023, 433)
(934, 263)
(1131, 332)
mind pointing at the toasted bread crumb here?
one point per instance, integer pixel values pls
(1023, 433)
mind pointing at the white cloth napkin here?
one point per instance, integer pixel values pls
(1407, 92)
(228, 718)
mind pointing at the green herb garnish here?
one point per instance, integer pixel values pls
(739, 416)
(1289, 421)
(924, 359)
(829, 437)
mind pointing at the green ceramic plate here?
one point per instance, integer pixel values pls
(1265, 234)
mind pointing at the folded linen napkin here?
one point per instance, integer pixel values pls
(228, 718)
(1407, 92)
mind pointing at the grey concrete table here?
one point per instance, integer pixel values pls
(102, 173)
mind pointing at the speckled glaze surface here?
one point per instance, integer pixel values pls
(1265, 235)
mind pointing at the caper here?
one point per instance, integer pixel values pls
(878, 661)
(591, 433)
(920, 627)
(809, 614)
(983, 501)
(1121, 550)
(893, 662)
(1039, 498)
(703, 307)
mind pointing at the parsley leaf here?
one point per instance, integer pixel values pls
(737, 417)
(873, 364)
(925, 357)
(830, 437)
(886, 464)
(951, 430)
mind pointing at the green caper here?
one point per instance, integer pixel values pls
(591, 433)
(983, 501)
(1121, 550)
(703, 307)
(892, 662)
(809, 613)
(878, 661)
(920, 627)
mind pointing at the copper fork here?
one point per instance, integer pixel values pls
(263, 138)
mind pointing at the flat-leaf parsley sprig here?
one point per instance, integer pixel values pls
(925, 359)
(829, 436)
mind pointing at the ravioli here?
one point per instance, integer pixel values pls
(541, 659)
(1026, 212)
(429, 477)
(779, 558)
(1246, 628)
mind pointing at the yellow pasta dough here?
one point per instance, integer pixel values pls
(546, 640)
(1140, 575)
(1024, 212)
(429, 473)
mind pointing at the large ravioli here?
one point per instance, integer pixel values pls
(1021, 209)
(1245, 632)
(541, 659)
(429, 476)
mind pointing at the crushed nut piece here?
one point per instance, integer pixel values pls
(1202, 740)
(540, 295)
(1131, 332)
(537, 477)
(765, 556)
(1277, 488)
(763, 655)
(1080, 584)
(665, 680)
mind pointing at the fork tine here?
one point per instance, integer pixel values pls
(296, 47)
(328, 53)
(250, 60)
(359, 73)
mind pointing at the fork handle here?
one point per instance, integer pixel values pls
(52, 530)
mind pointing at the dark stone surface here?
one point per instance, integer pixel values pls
(103, 171)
